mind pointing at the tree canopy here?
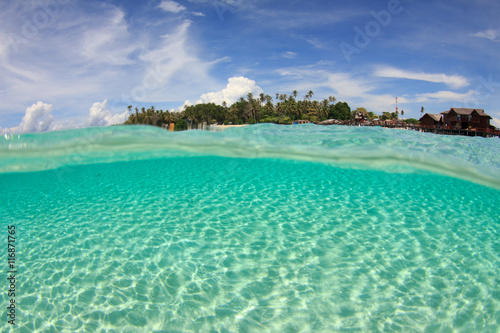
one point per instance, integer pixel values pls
(283, 109)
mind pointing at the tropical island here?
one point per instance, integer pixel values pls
(284, 109)
(287, 109)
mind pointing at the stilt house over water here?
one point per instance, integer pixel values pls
(462, 118)
(430, 120)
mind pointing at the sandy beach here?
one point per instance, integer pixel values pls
(228, 126)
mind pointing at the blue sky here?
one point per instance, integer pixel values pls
(70, 63)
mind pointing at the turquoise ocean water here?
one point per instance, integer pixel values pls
(263, 228)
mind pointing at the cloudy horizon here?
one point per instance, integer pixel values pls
(72, 64)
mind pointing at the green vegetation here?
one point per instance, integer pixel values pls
(153, 117)
(389, 116)
(284, 109)
(412, 121)
(251, 110)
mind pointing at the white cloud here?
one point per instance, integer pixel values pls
(345, 85)
(72, 59)
(385, 102)
(316, 43)
(355, 90)
(186, 103)
(443, 96)
(363, 90)
(495, 122)
(236, 87)
(454, 81)
(171, 6)
(289, 55)
(107, 41)
(289, 18)
(90, 50)
(313, 40)
(5, 44)
(173, 69)
(488, 34)
(100, 116)
(38, 118)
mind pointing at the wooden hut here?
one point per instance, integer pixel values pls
(430, 120)
(463, 118)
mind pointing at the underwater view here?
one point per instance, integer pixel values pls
(263, 228)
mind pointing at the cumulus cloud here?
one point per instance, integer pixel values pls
(186, 104)
(236, 88)
(72, 58)
(39, 118)
(495, 122)
(171, 6)
(100, 116)
(454, 81)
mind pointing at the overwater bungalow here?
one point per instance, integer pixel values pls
(459, 121)
(463, 118)
(430, 120)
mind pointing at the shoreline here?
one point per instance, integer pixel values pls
(228, 126)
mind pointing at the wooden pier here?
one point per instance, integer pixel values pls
(442, 131)
(464, 132)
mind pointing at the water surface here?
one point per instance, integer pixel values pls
(259, 229)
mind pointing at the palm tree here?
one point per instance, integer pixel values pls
(402, 114)
(309, 95)
(316, 108)
(324, 109)
(262, 98)
(422, 111)
(148, 118)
